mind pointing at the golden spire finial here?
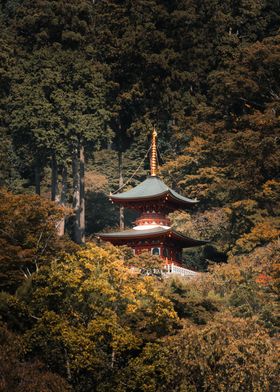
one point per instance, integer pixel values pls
(154, 154)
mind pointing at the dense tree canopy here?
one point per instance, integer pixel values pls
(82, 83)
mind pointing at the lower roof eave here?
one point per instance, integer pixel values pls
(157, 233)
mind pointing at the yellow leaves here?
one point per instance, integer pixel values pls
(99, 314)
(132, 308)
(91, 301)
(95, 254)
(271, 190)
(266, 231)
(263, 120)
(245, 205)
(196, 144)
(110, 330)
(69, 274)
(261, 233)
(176, 165)
(190, 157)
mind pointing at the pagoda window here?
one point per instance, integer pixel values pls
(155, 251)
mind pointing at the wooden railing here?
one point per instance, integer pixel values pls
(176, 270)
(168, 269)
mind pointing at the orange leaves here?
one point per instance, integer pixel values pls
(260, 234)
(95, 182)
(271, 190)
(27, 234)
(263, 279)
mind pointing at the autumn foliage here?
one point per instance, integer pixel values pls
(28, 235)
(82, 83)
(88, 321)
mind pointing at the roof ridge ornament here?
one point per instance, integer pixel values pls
(153, 162)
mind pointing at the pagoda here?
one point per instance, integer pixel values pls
(152, 232)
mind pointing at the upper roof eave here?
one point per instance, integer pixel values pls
(118, 197)
(151, 189)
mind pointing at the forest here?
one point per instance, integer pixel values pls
(82, 84)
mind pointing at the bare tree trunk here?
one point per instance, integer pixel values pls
(63, 195)
(37, 179)
(113, 358)
(54, 178)
(64, 186)
(82, 194)
(76, 196)
(68, 370)
(120, 159)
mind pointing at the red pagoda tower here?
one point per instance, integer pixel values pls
(152, 231)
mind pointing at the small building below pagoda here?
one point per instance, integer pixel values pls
(153, 232)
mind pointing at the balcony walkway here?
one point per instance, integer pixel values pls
(172, 269)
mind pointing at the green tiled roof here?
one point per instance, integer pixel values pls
(155, 232)
(135, 233)
(152, 188)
